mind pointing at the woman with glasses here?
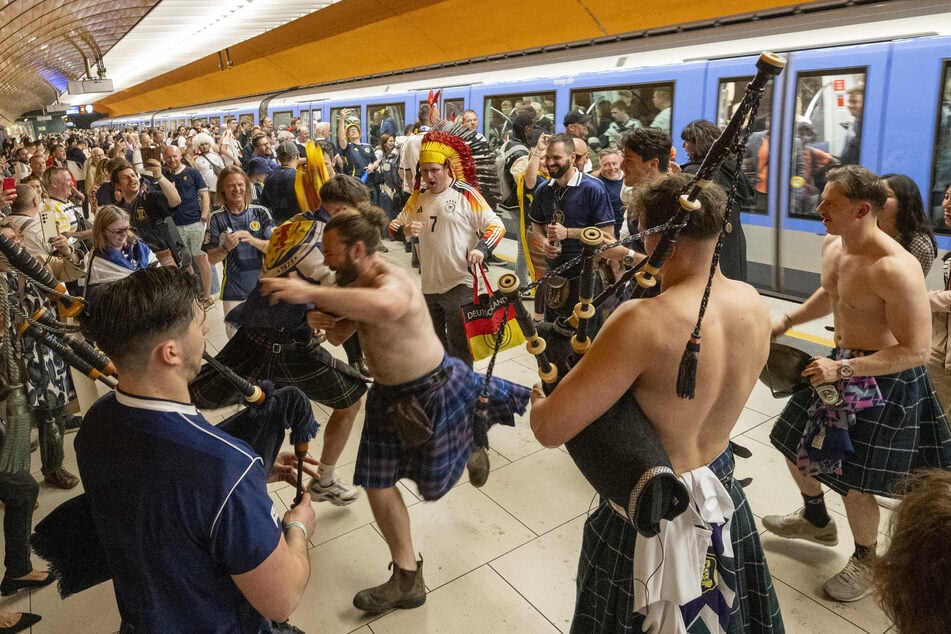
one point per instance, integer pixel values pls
(116, 251)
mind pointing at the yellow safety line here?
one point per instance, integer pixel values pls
(805, 336)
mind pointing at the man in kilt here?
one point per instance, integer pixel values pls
(419, 409)
(705, 571)
(275, 343)
(879, 419)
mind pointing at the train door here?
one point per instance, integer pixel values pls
(725, 87)
(832, 115)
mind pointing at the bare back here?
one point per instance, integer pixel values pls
(734, 347)
(639, 350)
(406, 348)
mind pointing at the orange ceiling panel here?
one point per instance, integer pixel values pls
(358, 38)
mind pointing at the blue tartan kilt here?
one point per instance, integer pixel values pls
(605, 597)
(909, 432)
(447, 395)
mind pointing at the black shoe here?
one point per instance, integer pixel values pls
(11, 586)
(72, 423)
(492, 259)
(27, 620)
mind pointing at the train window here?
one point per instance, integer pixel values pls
(386, 118)
(335, 115)
(756, 161)
(501, 109)
(614, 109)
(283, 118)
(450, 109)
(828, 132)
(246, 117)
(941, 176)
(198, 124)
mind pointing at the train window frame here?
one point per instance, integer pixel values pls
(495, 133)
(723, 115)
(335, 113)
(942, 136)
(799, 204)
(636, 89)
(400, 121)
(247, 116)
(282, 118)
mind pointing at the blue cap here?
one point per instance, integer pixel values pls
(259, 165)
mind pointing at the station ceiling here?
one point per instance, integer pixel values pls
(42, 42)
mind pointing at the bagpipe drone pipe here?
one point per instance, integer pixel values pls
(26, 264)
(620, 453)
(68, 538)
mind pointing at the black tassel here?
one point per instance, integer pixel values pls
(687, 374)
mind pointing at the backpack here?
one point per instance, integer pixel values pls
(511, 151)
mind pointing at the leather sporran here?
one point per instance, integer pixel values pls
(410, 421)
(557, 290)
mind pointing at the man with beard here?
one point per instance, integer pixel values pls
(564, 205)
(418, 411)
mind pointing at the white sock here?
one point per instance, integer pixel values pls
(325, 473)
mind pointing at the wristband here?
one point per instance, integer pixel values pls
(296, 525)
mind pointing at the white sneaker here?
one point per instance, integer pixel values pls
(337, 493)
(796, 526)
(852, 584)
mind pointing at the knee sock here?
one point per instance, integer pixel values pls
(816, 510)
(863, 553)
(326, 473)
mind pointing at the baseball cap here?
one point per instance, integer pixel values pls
(287, 150)
(258, 165)
(576, 117)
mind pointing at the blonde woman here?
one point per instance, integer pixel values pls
(116, 250)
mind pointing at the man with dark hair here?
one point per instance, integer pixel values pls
(722, 583)
(564, 205)
(207, 551)
(646, 154)
(419, 409)
(261, 153)
(149, 203)
(279, 194)
(873, 417)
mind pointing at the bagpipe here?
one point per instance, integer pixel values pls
(620, 453)
(15, 450)
(17, 256)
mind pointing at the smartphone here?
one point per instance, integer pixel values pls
(151, 152)
(9, 183)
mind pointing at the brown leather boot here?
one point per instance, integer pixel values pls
(405, 589)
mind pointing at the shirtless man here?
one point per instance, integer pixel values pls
(877, 296)
(638, 350)
(385, 306)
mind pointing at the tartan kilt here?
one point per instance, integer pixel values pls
(257, 354)
(605, 598)
(447, 395)
(909, 432)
